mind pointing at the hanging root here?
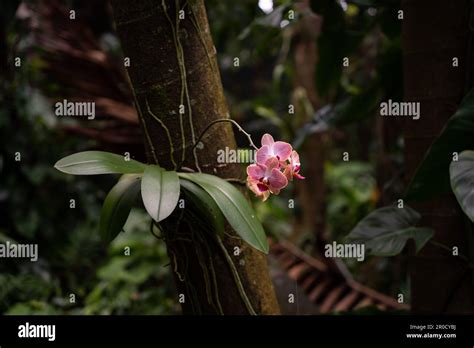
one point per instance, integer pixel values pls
(237, 280)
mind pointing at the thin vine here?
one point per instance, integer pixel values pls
(145, 128)
(204, 269)
(208, 271)
(166, 130)
(249, 137)
(212, 283)
(185, 82)
(213, 277)
(236, 276)
(181, 124)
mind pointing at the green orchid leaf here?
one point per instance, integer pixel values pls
(117, 206)
(98, 162)
(235, 208)
(160, 192)
(204, 205)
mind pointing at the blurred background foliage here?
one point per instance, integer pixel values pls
(290, 53)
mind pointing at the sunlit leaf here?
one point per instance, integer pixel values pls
(160, 192)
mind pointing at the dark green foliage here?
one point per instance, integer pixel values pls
(34, 198)
(385, 231)
(432, 177)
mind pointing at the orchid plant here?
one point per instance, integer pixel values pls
(213, 197)
(276, 164)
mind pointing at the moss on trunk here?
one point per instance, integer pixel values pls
(178, 92)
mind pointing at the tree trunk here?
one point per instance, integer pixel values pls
(178, 92)
(433, 33)
(311, 192)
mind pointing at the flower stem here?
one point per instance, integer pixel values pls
(219, 121)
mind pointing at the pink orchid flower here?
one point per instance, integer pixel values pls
(293, 168)
(273, 149)
(267, 178)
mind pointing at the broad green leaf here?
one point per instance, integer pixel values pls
(392, 243)
(117, 206)
(432, 177)
(462, 181)
(385, 231)
(98, 162)
(160, 192)
(235, 208)
(204, 204)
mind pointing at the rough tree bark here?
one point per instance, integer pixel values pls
(433, 32)
(310, 191)
(172, 64)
